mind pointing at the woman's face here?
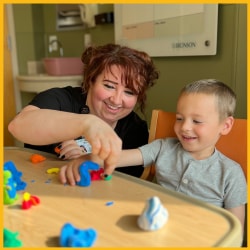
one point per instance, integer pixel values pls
(109, 99)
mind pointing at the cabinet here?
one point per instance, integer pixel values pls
(38, 83)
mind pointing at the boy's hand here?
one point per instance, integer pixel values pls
(70, 173)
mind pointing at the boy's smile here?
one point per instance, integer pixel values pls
(197, 124)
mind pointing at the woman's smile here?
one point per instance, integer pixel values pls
(114, 109)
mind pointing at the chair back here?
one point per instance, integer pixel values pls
(233, 145)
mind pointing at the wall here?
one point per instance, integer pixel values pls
(229, 65)
(73, 41)
(34, 23)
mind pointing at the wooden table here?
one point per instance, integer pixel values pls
(191, 223)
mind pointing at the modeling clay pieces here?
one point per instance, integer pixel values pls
(74, 237)
(154, 215)
(10, 239)
(29, 200)
(9, 188)
(52, 170)
(16, 175)
(96, 174)
(109, 203)
(84, 172)
(36, 158)
(107, 177)
(57, 150)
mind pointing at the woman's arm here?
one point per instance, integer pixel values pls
(43, 126)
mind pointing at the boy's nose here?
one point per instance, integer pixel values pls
(186, 125)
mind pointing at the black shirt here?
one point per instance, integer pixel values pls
(132, 130)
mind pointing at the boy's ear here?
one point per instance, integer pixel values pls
(227, 125)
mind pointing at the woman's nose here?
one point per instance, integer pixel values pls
(116, 98)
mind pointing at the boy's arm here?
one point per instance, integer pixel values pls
(70, 172)
(128, 157)
(239, 212)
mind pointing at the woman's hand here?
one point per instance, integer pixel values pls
(70, 150)
(104, 141)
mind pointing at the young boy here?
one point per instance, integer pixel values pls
(190, 163)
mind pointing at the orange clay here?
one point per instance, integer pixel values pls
(35, 158)
(57, 150)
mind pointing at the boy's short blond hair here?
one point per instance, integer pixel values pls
(226, 98)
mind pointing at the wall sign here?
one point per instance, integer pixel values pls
(168, 29)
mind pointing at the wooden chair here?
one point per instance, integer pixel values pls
(233, 145)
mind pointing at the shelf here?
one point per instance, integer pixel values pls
(38, 83)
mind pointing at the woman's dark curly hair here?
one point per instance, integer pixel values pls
(138, 70)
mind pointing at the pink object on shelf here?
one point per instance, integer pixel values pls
(62, 66)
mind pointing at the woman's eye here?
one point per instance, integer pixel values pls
(129, 92)
(109, 86)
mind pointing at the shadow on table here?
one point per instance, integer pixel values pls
(129, 223)
(53, 241)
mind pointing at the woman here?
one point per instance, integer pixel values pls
(115, 80)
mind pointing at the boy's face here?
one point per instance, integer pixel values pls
(197, 124)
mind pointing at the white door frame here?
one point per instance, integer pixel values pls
(12, 45)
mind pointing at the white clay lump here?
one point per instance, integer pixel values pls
(154, 215)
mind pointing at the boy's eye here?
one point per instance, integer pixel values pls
(195, 121)
(178, 119)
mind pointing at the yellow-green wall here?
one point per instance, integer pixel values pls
(228, 65)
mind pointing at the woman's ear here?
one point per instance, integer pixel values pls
(227, 125)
